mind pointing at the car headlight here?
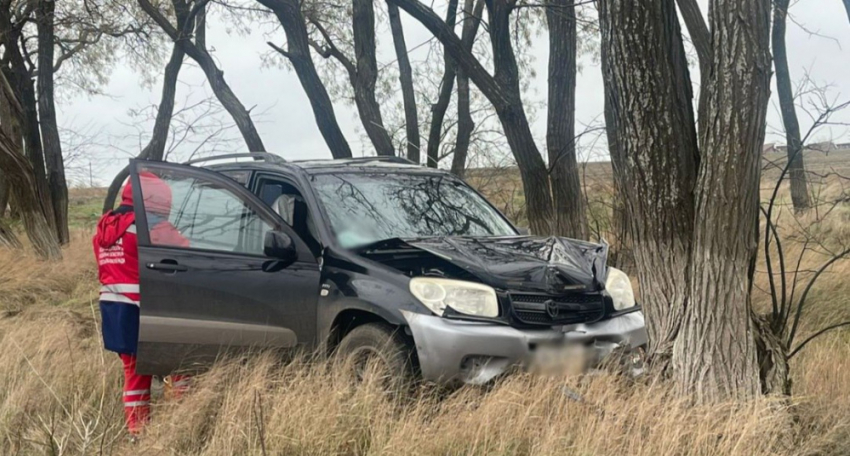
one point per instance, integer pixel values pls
(468, 298)
(620, 288)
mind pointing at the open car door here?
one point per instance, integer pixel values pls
(219, 270)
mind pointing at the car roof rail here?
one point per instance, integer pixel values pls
(383, 158)
(353, 160)
(259, 156)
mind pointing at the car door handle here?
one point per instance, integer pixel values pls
(167, 266)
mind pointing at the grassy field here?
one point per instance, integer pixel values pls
(60, 391)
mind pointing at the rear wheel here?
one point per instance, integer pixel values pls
(379, 353)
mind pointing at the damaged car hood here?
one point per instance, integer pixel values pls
(553, 265)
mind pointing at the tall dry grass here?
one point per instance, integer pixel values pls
(60, 394)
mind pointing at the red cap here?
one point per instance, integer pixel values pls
(127, 194)
(157, 194)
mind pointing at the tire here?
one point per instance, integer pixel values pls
(383, 345)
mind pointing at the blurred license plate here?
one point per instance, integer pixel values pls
(559, 359)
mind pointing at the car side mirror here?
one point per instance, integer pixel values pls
(524, 231)
(279, 245)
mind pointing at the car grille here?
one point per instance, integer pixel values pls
(541, 309)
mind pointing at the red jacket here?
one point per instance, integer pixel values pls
(117, 252)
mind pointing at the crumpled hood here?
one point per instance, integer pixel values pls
(554, 265)
(111, 227)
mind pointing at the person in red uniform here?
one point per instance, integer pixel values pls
(117, 253)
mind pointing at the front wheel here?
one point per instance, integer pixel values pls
(377, 352)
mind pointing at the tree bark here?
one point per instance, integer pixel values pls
(57, 186)
(405, 78)
(569, 219)
(438, 109)
(654, 153)
(363, 24)
(19, 173)
(503, 91)
(241, 116)
(289, 15)
(472, 11)
(701, 39)
(155, 149)
(796, 167)
(715, 357)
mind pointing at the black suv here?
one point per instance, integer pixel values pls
(370, 256)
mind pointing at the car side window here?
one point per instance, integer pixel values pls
(288, 202)
(184, 211)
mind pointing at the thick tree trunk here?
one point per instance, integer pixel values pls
(503, 91)
(57, 186)
(569, 219)
(155, 149)
(289, 15)
(405, 78)
(472, 10)
(438, 109)
(19, 173)
(715, 356)
(796, 168)
(241, 116)
(363, 25)
(654, 153)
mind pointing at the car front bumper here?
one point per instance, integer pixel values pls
(455, 351)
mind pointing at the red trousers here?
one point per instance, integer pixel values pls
(137, 394)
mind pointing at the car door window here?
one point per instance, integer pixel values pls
(287, 201)
(185, 211)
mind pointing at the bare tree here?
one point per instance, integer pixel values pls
(18, 172)
(799, 187)
(155, 149)
(569, 212)
(292, 20)
(502, 90)
(725, 241)
(58, 188)
(472, 11)
(717, 344)
(362, 71)
(438, 109)
(186, 11)
(405, 77)
(21, 89)
(654, 156)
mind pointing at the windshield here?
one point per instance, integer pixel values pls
(366, 208)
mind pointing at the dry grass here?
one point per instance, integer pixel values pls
(25, 280)
(60, 394)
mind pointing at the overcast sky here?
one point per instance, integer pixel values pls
(818, 43)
